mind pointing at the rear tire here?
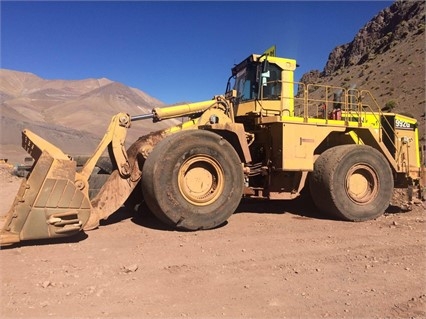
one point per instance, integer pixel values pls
(193, 180)
(352, 182)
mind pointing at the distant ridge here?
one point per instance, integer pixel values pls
(72, 114)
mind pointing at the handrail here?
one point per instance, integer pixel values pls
(353, 105)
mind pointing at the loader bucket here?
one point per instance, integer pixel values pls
(53, 200)
(48, 204)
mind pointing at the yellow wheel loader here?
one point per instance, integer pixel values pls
(268, 137)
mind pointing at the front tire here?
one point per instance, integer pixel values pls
(352, 182)
(193, 180)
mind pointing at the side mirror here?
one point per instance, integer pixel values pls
(264, 76)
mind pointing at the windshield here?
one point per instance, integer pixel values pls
(247, 83)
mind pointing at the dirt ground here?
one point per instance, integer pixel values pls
(271, 260)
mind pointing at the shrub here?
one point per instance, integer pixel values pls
(390, 105)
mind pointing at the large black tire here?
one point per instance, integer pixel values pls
(193, 180)
(352, 182)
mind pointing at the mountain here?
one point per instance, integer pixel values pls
(387, 57)
(73, 115)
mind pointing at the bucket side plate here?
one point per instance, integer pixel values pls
(48, 203)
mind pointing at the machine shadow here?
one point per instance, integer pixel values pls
(138, 214)
(393, 210)
(301, 207)
(144, 217)
(48, 241)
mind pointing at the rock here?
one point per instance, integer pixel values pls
(402, 17)
(130, 268)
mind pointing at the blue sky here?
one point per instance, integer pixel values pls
(173, 51)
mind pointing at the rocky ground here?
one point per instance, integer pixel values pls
(271, 260)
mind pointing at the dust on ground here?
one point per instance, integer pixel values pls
(271, 260)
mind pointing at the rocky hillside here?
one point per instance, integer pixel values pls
(73, 115)
(387, 57)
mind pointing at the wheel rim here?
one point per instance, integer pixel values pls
(201, 180)
(361, 184)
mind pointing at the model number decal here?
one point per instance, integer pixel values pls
(402, 124)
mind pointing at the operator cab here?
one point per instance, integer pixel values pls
(264, 86)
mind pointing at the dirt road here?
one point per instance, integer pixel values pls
(271, 260)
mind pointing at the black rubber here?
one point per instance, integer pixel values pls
(160, 180)
(328, 182)
(96, 180)
(100, 174)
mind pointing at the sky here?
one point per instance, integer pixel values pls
(174, 51)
